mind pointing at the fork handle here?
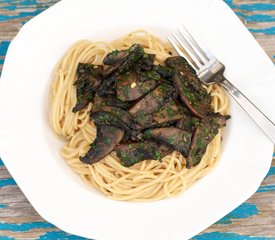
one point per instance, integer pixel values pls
(259, 118)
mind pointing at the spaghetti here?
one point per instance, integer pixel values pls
(144, 181)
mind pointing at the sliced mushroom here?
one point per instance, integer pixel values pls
(86, 84)
(106, 139)
(129, 88)
(175, 138)
(132, 153)
(151, 102)
(83, 99)
(202, 136)
(189, 87)
(134, 53)
(115, 57)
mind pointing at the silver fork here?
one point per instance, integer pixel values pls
(210, 70)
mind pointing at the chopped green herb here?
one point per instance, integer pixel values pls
(152, 75)
(171, 112)
(158, 155)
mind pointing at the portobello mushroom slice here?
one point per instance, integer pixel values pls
(134, 53)
(83, 99)
(115, 57)
(202, 136)
(107, 138)
(151, 103)
(129, 88)
(174, 138)
(86, 84)
(132, 153)
(189, 87)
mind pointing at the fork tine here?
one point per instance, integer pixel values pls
(186, 48)
(205, 52)
(180, 52)
(193, 46)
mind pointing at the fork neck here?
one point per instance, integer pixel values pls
(213, 73)
(209, 77)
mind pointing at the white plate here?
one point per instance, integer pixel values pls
(31, 152)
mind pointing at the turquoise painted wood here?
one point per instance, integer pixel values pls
(254, 219)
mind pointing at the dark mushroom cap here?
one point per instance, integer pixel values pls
(106, 140)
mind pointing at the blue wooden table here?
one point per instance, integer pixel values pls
(254, 219)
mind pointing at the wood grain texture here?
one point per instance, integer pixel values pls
(253, 219)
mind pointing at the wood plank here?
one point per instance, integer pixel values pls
(256, 217)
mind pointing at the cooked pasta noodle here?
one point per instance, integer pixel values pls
(147, 180)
